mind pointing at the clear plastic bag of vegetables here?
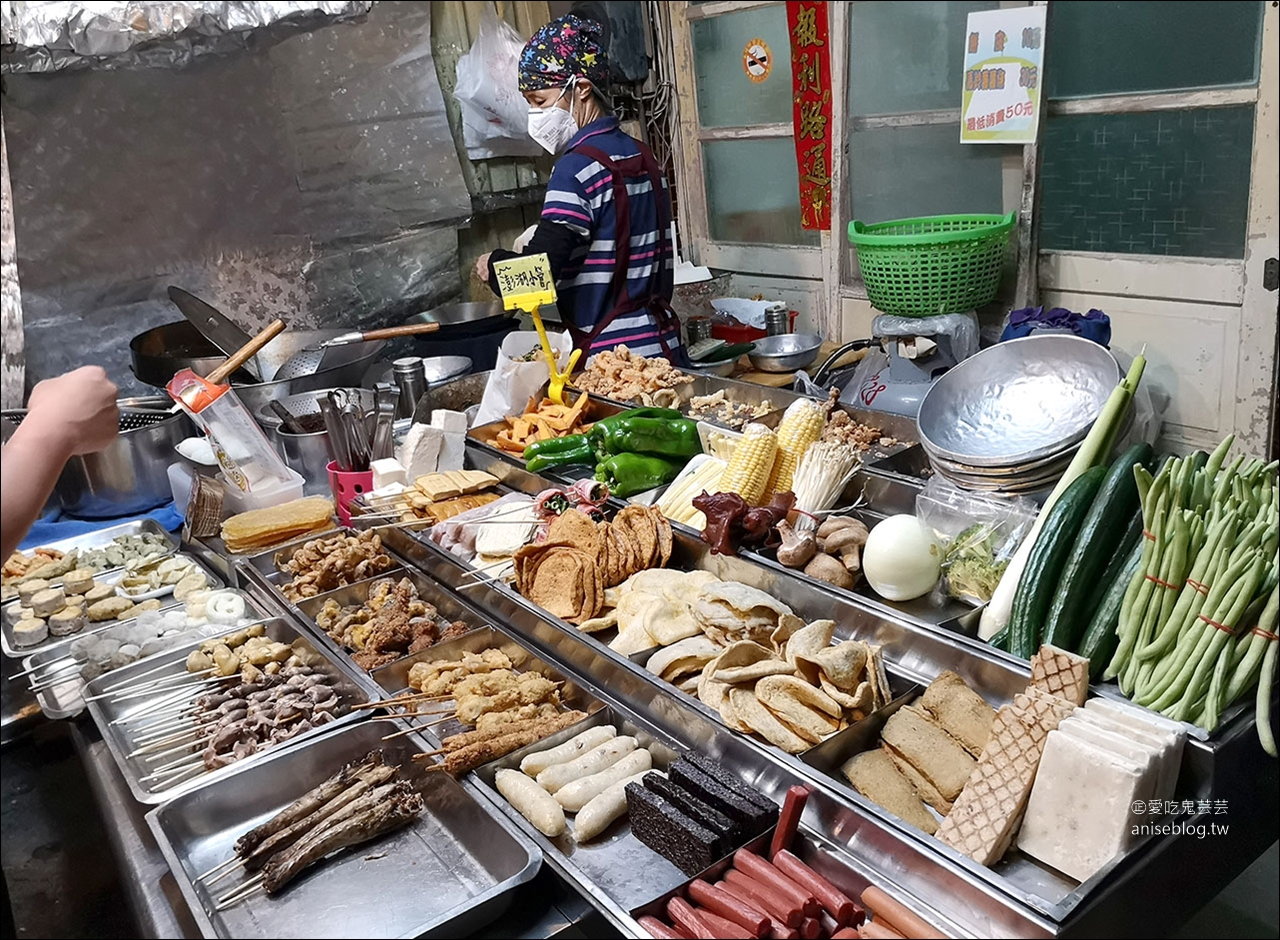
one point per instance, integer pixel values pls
(979, 533)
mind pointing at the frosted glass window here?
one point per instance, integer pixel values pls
(727, 97)
(907, 56)
(1104, 47)
(1160, 182)
(904, 172)
(753, 192)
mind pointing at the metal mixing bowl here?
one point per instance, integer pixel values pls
(130, 476)
(785, 352)
(1018, 402)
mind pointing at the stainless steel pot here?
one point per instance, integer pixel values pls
(161, 352)
(131, 475)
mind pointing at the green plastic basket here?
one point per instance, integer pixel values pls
(938, 264)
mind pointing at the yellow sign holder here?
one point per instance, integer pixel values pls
(526, 283)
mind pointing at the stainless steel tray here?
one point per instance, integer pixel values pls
(123, 721)
(447, 875)
(64, 698)
(905, 864)
(105, 536)
(915, 653)
(105, 577)
(615, 864)
(392, 679)
(446, 604)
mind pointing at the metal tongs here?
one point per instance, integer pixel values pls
(357, 438)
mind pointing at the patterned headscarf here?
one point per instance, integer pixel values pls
(562, 49)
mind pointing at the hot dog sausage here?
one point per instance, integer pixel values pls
(777, 929)
(846, 933)
(898, 916)
(658, 930)
(724, 928)
(777, 905)
(810, 928)
(789, 820)
(761, 870)
(688, 920)
(837, 904)
(727, 906)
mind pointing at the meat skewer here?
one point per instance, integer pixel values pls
(474, 754)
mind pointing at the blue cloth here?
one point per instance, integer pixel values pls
(1094, 325)
(53, 526)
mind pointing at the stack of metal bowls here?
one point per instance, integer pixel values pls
(1010, 418)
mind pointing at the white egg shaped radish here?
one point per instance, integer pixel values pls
(901, 560)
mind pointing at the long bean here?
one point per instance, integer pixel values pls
(1266, 679)
(1161, 585)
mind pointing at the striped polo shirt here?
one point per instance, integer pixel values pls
(580, 195)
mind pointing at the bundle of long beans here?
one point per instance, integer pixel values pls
(1198, 624)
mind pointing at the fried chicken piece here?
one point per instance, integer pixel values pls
(490, 721)
(454, 630)
(473, 755)
(368, 660)
(391, 628)
(425, 635)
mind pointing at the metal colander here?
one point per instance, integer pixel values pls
(135, 413)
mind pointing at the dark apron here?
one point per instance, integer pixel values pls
(656, 305)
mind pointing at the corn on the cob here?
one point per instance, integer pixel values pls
(750, 464)
(801, 426)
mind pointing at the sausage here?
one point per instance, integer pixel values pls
(601, 757)
(777, 929)
(574, 796)
(727, 906)
(896, 915)
(688, 920)
(723, 927)
(777, 905)
(531, 801)
(810, 928)
(761, 870)
(789, 820)
(533, 764)
(657, 929)
(846, 933)
(878, 931)
(837, 904)
(600, 811)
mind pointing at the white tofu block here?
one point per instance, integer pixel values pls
(453, 451)
(419, 454)
(449, 421)
(1147, 761)
(1080, 811)
(1166, 774)
(386, 471)
(1165, 729)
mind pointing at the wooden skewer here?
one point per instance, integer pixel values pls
(238, 864)
(241, 893)
(167, 739)
(27, 672)
(405, 699)
(133, 680)
(427, 755)
(231, 861)
(429, 724)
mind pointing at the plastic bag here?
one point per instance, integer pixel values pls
(979, 533)
(495, 116)
(519, 372)
(963, 328)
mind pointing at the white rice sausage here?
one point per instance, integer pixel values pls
(533, 803)
(574, 796)
(601, 757)
(535, 763)
(600, 811)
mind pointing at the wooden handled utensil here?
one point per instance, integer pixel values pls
(246, 352)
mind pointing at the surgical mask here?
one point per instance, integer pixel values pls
(553, 127)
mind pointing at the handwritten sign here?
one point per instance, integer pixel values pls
(1003, 76)
(811, 115)
(526, 283)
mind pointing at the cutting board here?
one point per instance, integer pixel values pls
(781, 379)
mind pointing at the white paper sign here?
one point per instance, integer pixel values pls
(1003, 76)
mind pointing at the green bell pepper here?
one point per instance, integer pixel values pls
(558, 452)
(628, 474)
(640, 434)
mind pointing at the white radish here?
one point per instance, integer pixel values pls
(601, 757)
(602, 810)
(531, 801)
(578, 794)
(533, 764)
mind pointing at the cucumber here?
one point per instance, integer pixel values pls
(1098, 644)
(1044, 564)
(1101, 531)
(1001, 640)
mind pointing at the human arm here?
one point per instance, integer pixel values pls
(558, 240)
(72, 414)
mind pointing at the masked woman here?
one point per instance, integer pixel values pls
(606, 220)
